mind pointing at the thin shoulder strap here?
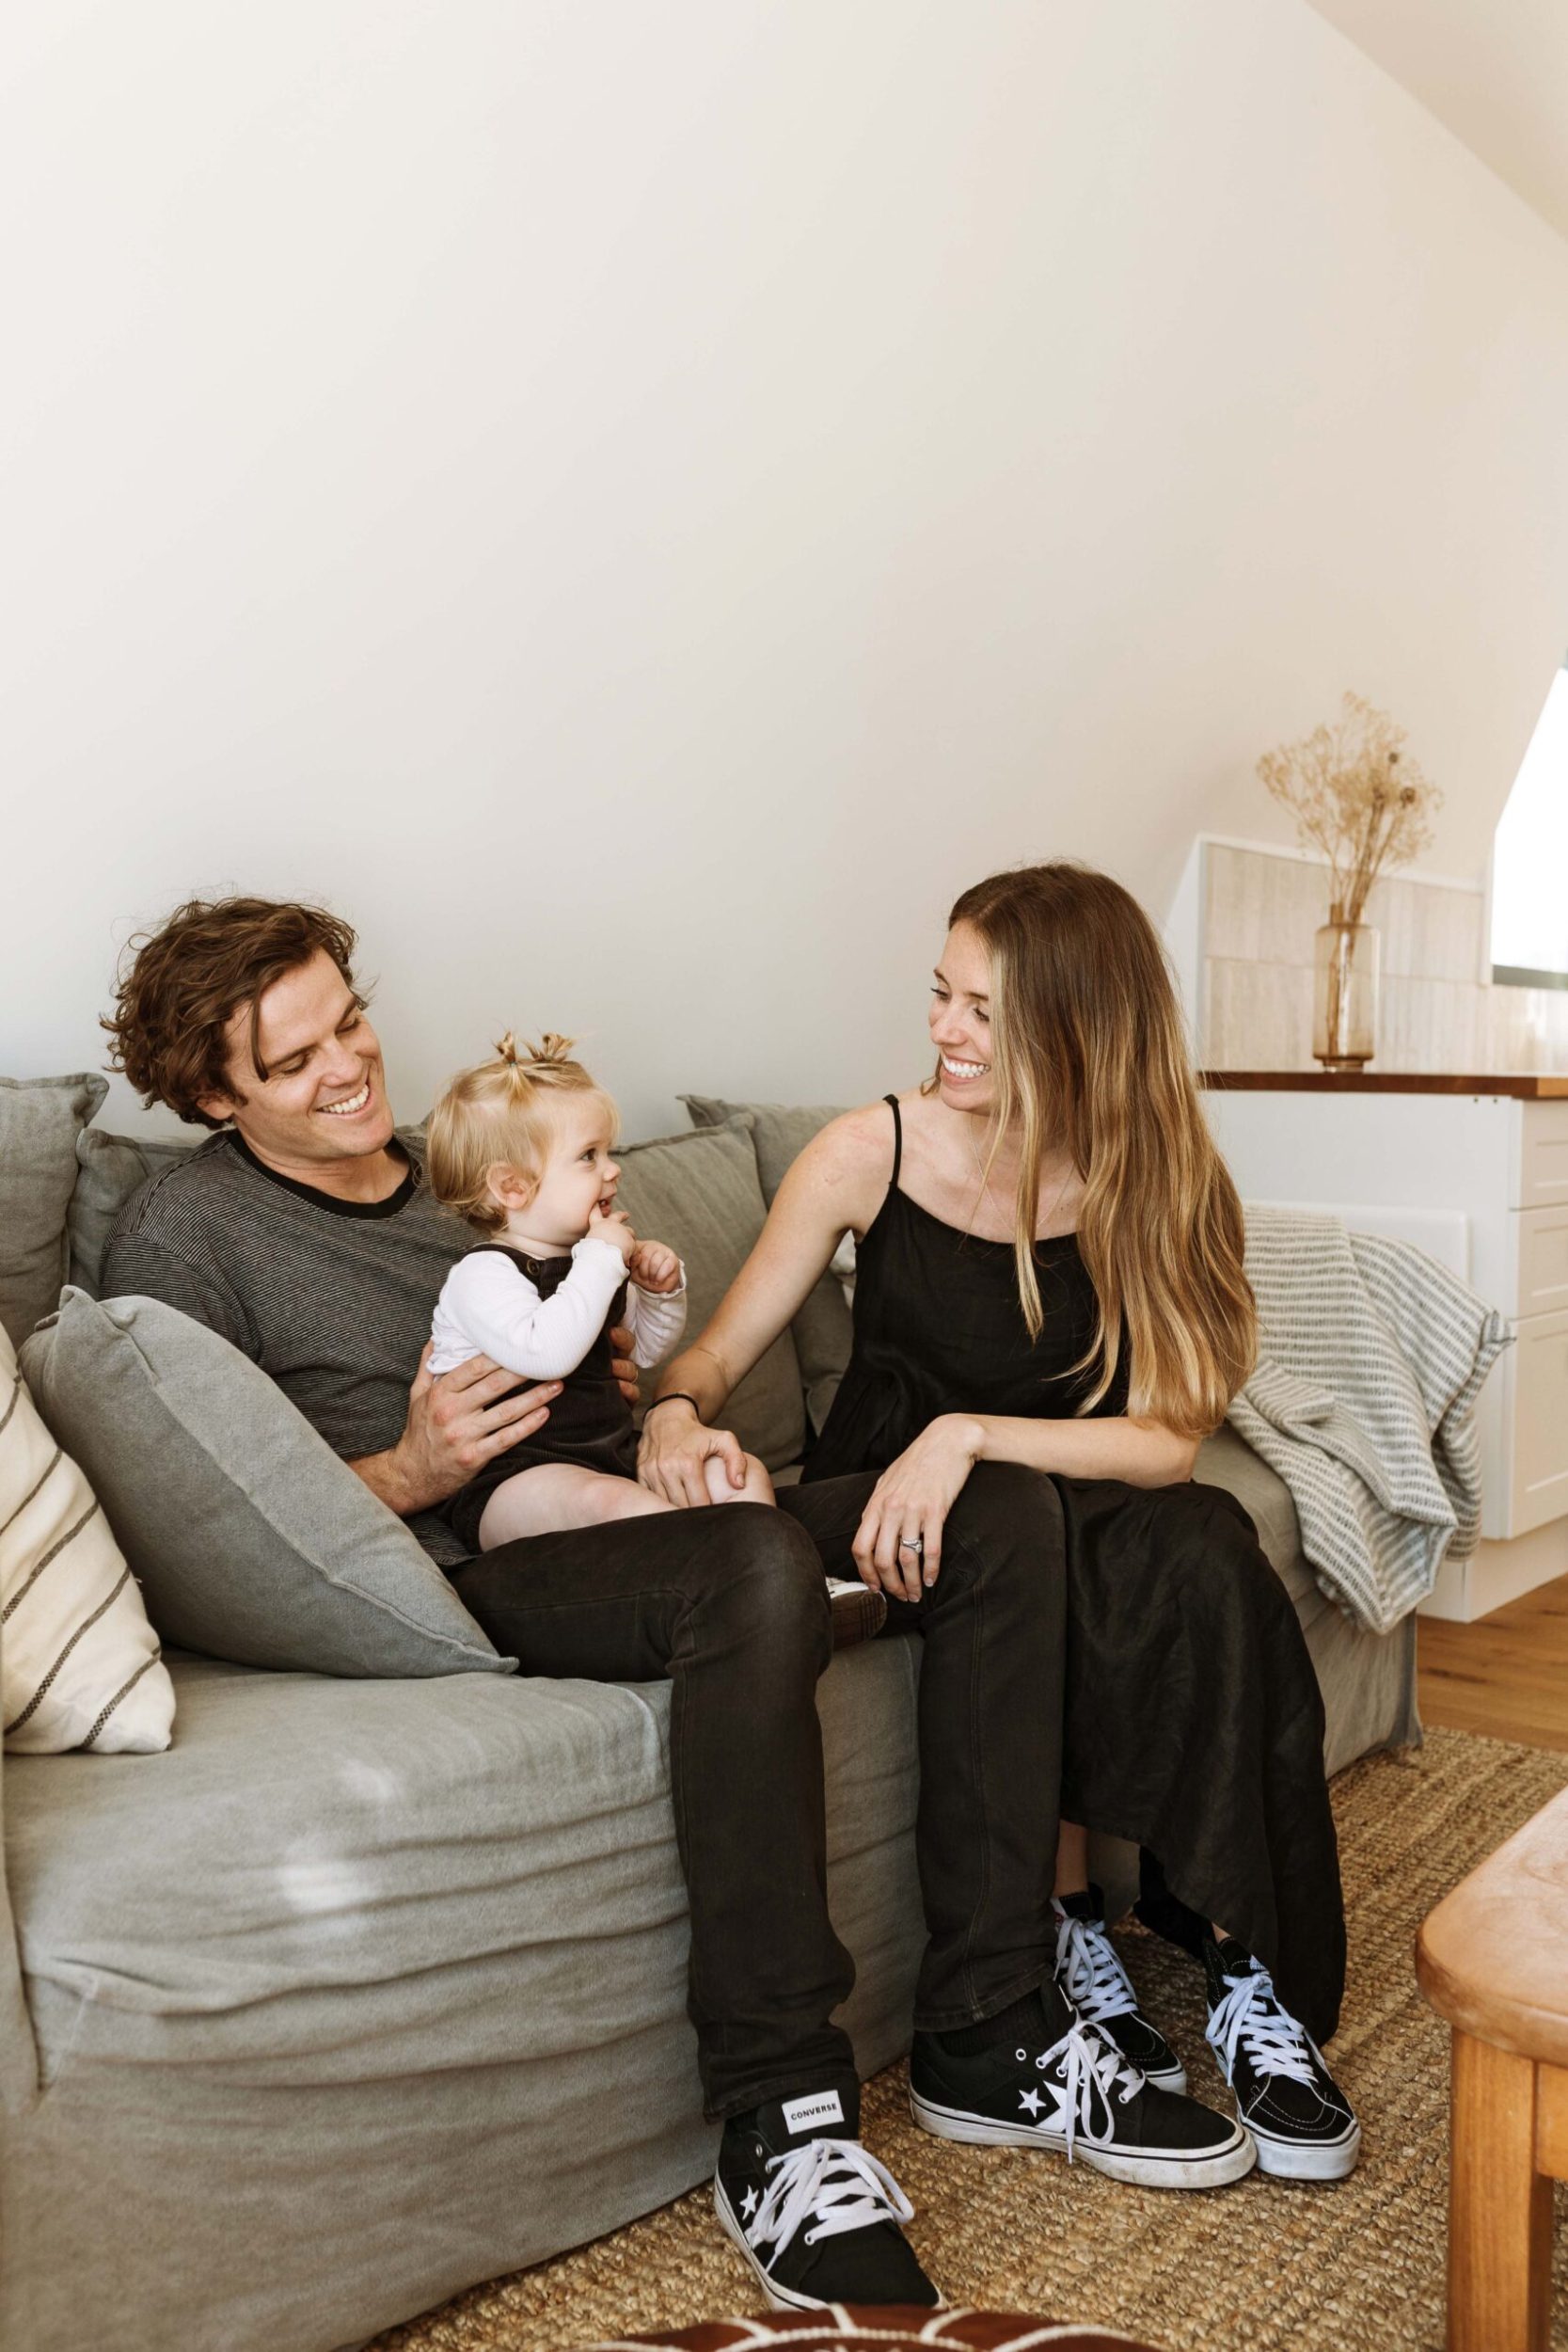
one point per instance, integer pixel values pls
(892, 1102)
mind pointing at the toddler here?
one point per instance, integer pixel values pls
(520, 1147)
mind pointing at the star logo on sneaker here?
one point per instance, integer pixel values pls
(1031, 2100)
(748, 2203)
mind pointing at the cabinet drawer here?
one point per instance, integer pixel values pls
(1542, 1155)
(1540, 1421)
(1543, 1260)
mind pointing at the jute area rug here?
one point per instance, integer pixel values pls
(1353, 2267)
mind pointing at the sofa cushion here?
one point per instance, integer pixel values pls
(252, 1540)
(395, 1879)
(109, 1169)
(700, 1192)
(40, 1122)
(78, 1660)
(823, 1330)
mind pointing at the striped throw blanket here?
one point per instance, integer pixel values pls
(1371, 1358)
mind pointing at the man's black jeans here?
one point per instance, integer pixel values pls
(730, 1604)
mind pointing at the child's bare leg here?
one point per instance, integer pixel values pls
(758, 1486)
(561, 1495)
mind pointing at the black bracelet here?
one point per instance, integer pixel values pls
(676, 1396)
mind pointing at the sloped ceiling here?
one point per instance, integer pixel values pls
(1495, 72)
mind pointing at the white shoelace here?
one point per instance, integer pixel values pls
(1089, 1972)
(1091, 2062)
(835, 2184)
(1250, 2014)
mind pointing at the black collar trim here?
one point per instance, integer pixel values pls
(372, 1210)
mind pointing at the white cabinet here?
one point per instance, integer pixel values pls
(1499, 1161)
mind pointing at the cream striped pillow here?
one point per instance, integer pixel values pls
(79, 1664)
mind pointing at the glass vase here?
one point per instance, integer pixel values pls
(1344, 994)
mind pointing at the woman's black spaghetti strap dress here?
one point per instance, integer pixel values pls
(1193, 1723)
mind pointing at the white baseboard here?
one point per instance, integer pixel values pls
(1496, 1573)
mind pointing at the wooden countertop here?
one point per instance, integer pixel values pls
(1529, 1085)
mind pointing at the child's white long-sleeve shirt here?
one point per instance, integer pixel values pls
(488, 1307)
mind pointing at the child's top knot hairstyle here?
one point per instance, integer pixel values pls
(499, 1113)
(541, 1062)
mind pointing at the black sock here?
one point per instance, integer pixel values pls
(1041, 2018)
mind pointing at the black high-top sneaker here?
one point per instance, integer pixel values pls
(1069, 2091)
(813, 2212)
(1304, 2126)
(1090, 1973)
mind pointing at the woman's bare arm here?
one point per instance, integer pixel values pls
(1140, 1453)
(898, 1543)
(834, 1187)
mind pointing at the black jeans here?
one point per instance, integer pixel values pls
(730, 1604)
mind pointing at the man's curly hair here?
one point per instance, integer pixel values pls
(186, 981)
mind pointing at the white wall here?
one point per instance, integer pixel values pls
(637, 505)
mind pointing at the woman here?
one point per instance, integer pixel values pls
(1050, 1275)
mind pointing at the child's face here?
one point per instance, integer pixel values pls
(579, 1174)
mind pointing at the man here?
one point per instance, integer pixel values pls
(303, 1235)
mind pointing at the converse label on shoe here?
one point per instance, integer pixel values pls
(810, 2114)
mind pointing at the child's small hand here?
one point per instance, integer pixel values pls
(615, 1228)
(653, 1266)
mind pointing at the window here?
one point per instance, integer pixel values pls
(1529, 859)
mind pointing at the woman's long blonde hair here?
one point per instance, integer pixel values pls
(1088, 1053)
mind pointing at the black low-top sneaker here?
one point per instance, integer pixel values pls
(1304, 2126)
(1079, 2097)
(817, 2218)
(1089, 1971)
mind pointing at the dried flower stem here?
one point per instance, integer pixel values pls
(1357, 798)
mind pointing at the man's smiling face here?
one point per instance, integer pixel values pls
(323, 1096)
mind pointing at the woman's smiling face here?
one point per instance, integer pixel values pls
(960, 1022)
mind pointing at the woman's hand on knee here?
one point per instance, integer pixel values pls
(898, 1547)
(676, 1449)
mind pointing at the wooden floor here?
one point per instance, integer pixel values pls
(1506, 1676)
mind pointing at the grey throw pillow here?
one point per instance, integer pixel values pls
(823, 1329)
(253, 1542)
(109, 1169)
(40, 1122)
(699, 1193)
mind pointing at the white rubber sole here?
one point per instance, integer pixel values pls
(779, 2297)
(1147, 2170)
(1307, 2160)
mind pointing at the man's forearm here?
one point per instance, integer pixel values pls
(388, 1479)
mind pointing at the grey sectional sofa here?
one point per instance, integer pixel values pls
(366, 1990)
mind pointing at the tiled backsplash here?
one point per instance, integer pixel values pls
(1259, 913)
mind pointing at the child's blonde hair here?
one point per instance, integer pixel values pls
(500, 1112)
